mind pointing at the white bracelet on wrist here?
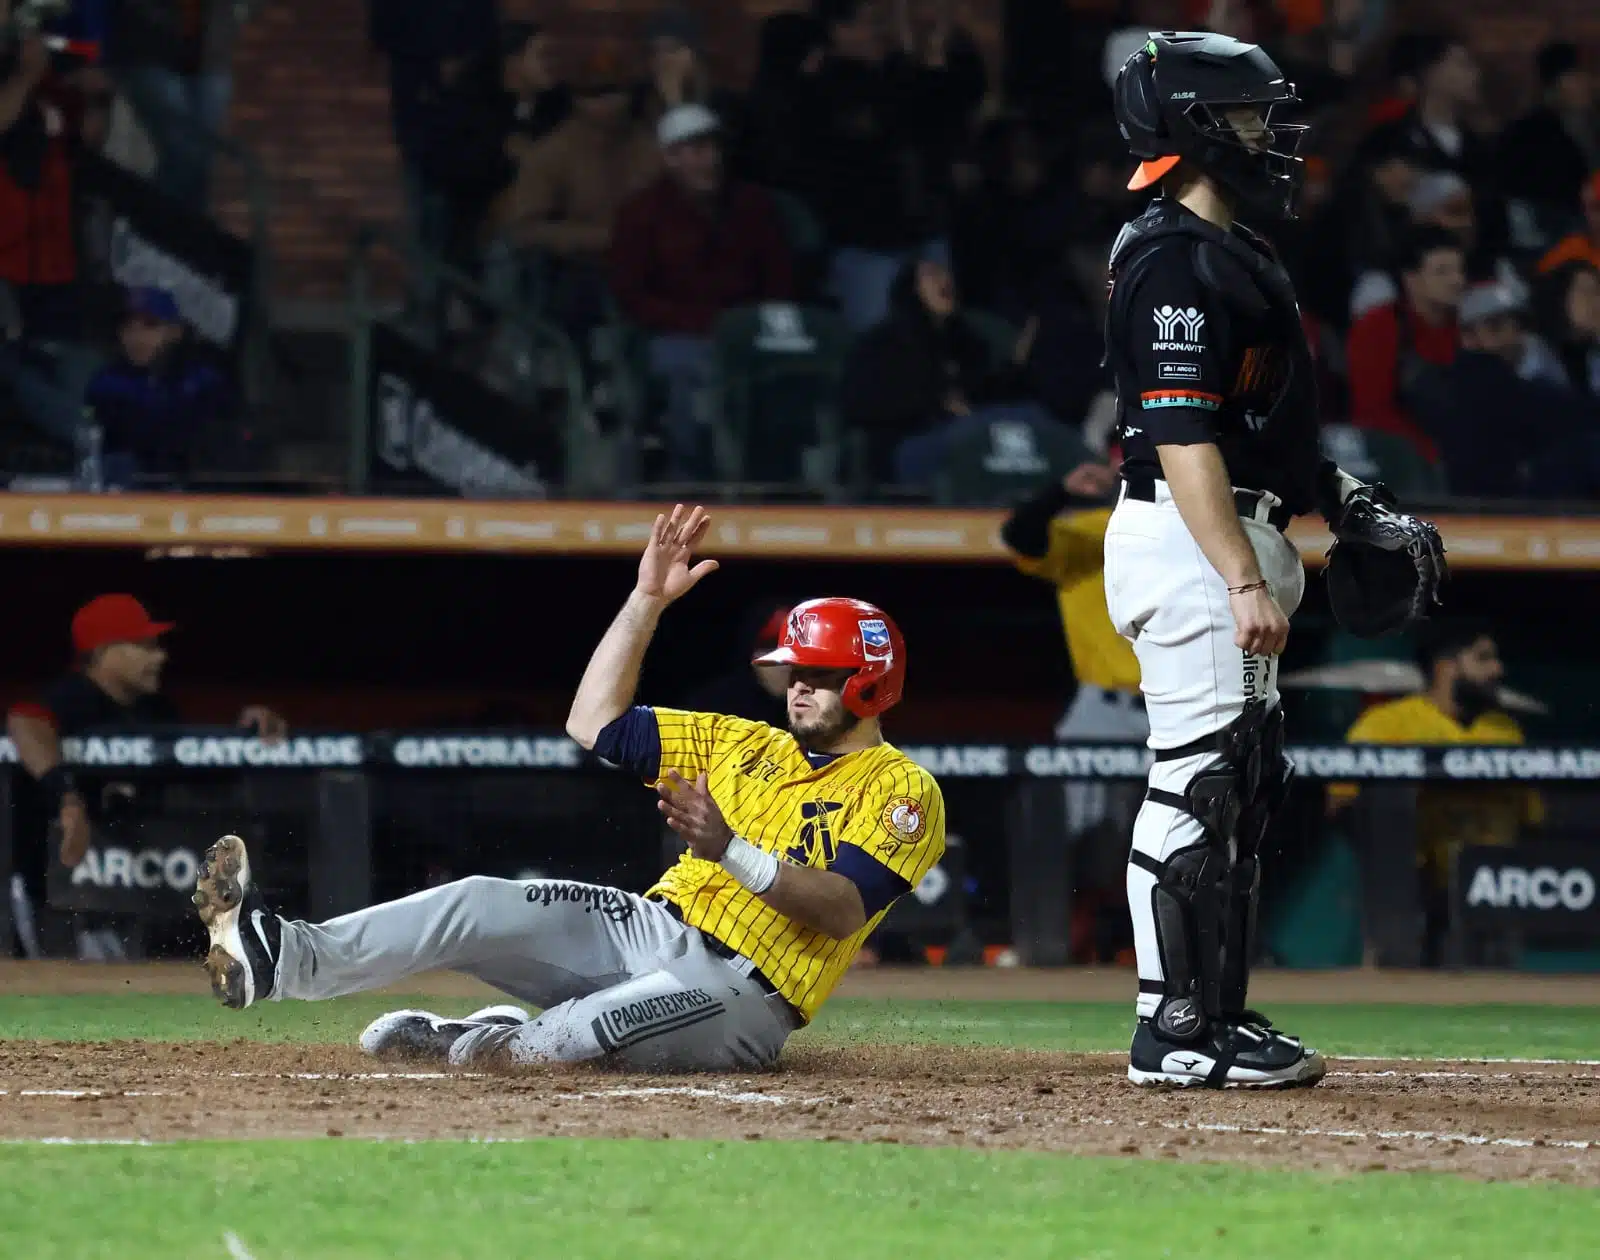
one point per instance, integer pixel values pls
(755, 868)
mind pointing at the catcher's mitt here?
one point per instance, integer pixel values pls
(1385, 566)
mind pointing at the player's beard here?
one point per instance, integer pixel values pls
(816, 729)
(1474, 699)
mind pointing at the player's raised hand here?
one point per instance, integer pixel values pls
(690, 811)
(664, 571)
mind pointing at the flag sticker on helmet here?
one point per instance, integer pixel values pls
(875, 643)
(902, 816)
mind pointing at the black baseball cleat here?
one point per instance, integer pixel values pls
(1228, 1056)
(424, 1035)
(245, 936)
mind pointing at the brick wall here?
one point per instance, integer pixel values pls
(312, 100)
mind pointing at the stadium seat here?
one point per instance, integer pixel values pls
(777, 369)
(1373, 455)
(1004, 459)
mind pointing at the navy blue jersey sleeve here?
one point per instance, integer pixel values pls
(878, 885)
(632, 741)
(1175, 352)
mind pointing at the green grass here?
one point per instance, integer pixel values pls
(1538, 1032)
(768, 1201)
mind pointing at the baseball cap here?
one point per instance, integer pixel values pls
(154, 303)
(1486, 301)
(109, 619)
(685, 122)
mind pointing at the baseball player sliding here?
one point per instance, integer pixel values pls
(1218, 429)
(798, 842)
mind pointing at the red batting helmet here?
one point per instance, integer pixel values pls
(846, 634)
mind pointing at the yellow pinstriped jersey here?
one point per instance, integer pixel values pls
(1076, 565)
(877, 800)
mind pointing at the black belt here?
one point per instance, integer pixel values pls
(1246, 502)
(722, 950)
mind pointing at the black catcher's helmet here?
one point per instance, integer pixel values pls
(1173, 100)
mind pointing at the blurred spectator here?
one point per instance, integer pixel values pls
(1009, 230)
(489, 118)
(160, 400)
(1460, 705)
(1567, 302)
(562, 206)
(1392, 345)
(922, 374)
(690, 246)
(782, 148)
(678, 71)
(173, 60)
(1547, 154)
(883, 115)
(1362, 227)
(1014, 255)
(1438, 199)
(1320, 46)
(757, 693)
(115, 683)
(1582, 245)
(430, 45)
(1505, 421)
(1436, 134)
(41, 360)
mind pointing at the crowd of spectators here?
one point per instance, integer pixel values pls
(874, 177)
(1448, 268)
(125, 395)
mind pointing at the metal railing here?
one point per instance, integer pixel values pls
(556, 358)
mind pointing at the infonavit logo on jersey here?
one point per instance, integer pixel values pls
(1178, 328)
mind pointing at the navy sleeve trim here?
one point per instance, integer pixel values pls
(878, 885)
(632, 741)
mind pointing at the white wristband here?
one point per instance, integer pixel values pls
(755, 868)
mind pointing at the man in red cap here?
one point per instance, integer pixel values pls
(116, 683)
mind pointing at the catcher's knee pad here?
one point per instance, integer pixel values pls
(1235, 797)
(1209, 891)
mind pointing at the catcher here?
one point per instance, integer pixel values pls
(798, 842)
(1218, 428)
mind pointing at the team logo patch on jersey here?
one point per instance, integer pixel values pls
(1178, 371)
(815, 845)
(875, 644)
(903, 818)
(1179, 328)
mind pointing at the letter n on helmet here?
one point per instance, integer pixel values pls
(838, 633)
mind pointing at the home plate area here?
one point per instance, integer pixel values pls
(1486, 1120)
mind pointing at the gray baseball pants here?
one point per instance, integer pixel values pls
(616, 975)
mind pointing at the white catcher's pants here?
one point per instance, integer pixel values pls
(617, 975)
(1165, 597)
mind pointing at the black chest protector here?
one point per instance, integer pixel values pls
(1239, 271)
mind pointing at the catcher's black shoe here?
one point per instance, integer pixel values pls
(1227, 1056)
(245, 936)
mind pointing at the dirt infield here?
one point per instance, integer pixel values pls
(1496, 1121)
